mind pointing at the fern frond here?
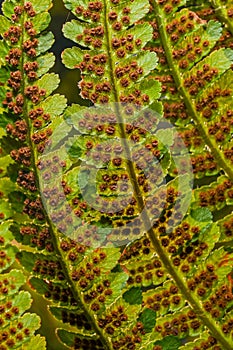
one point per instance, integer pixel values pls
(100, 200)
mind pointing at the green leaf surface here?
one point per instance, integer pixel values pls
(71, 57)
(41, 6)
(4, 24)
(54, 105)
(202, 214)
(45, 62)
(148, 318)
(45, 42)
(169, 343)
(41, 21)
(36, 343)
(49, 82)
(133, 296)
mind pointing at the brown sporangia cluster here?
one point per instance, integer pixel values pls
(17, 100)
(203, 281)
(5, 260)
(183, 252)
(207, 105)
(13, 57)
(163, 207)
(132, 339)
(99, 123)
(96, 297)
(197, 81)
(221, 129)
(59, 293)
(6, 286)
(49, 269)
(55, 194)
(218, 302)
(226, 39)
(126, 230)
(179, 325)
(227, 227)
(168, 5)
(163, 300)
(22, 156)
(92, 12)
(117, 182)
(122, 45)
(173, 110)
(75, 319)
(34, 208)
(176, 29)
(204, 163)
(137, 249)
(184, 57)
(16, 334)
(146, 273)
(85, 274)
(228, 7)
(128, 75)
(216, 195)
(191, 137)
(87, 344)
(79, 206)
(41, 238)
(21, 96)
(27, 180)
(210, 343)
(18, 130)
(113, 320)
(13, 335)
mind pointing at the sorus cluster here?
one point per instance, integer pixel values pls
(75, 319)
(218, 302)
(203, 164)
(168, 5)
(216, 195)
(20, 98)
(175, 110)
(58, 293)
(178, 325)
(50, 269)
(123, 45)
(112, 321)
(197, 81)
(131, 340)
(7, 286)
(41, 238)
(5, 260)
(14, 335)
(138, 248)
(178, 244)
(227, 227)
(87, 344)
(147, 273)
(210, 343)
(89, 270)
(208, 105)
(97, 296)
(34, 208)
(163, 300)
(221, 130)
